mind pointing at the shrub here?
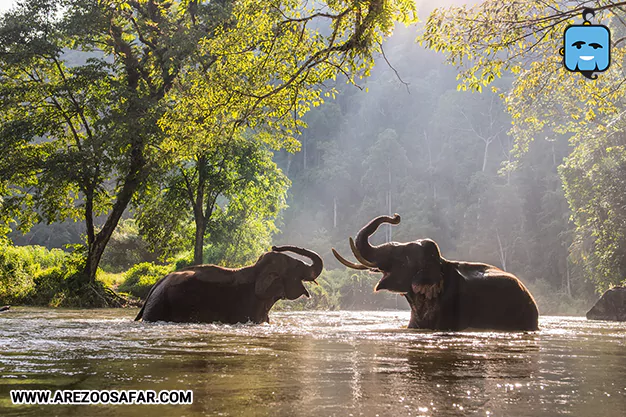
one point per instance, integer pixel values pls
(19, 267)
(184, 259)
(49, 287)
(140, 278)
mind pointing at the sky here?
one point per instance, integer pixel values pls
(6, 4)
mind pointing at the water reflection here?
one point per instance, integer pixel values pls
(316, 364)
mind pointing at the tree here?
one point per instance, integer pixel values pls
(594, 178)
(268, 72)
(491, 39)
(234, 184)
(81, 140)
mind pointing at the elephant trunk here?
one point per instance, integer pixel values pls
(316, 267)
(366, 250)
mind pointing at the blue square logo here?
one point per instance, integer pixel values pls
(587, 48)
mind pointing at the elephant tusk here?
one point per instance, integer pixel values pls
(360, 257)
(348, 263)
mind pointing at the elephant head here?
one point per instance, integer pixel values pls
(281, 276)
(413, 267)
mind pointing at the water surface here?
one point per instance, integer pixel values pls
(315, 364)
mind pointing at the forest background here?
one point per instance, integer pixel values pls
(396, 129)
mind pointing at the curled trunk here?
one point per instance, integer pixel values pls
(373, 253)
(316, 266)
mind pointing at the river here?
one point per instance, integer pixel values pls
(314, 364)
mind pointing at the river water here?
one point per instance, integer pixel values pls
(314, 364)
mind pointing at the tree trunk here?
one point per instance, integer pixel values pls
(430, 167)
(96, 248)
(485, 154)
(198, 212)
(199, 239)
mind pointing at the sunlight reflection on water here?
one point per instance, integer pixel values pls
(316, 364)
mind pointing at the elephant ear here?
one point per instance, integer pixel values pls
(427, 269)
(270, 268)
(268, 284)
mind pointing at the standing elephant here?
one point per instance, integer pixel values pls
(443, 294)
(209, 293)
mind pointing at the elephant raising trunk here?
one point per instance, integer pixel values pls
(370, 257)
(375, 255)
(444, 294)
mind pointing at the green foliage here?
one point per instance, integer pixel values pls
(50, 288)
(237, 193)
(99, 96)
(140, 278)
(111, 280)
(488, 40)
(34, 275)
(594, 177)
(184, 259)
(20, 267)
(268, 72)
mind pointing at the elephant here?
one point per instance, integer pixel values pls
(444, 294)
(4, 308)
(210, 293)
(611, 306)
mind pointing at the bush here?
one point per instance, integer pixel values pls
(19, 268)
(49, 287)
(140, 278)
(183, 260)
(110, 279)
(210, 255)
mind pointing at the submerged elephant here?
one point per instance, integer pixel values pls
(443, 294)
(4, 308)
(209, 293)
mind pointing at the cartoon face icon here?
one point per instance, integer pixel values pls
(587, 48)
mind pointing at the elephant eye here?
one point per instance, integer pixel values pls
(578, 44)
(595, 45)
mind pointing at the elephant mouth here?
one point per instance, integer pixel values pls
(297, 293)
(427, 291)
(388, 283)
(304, 290)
